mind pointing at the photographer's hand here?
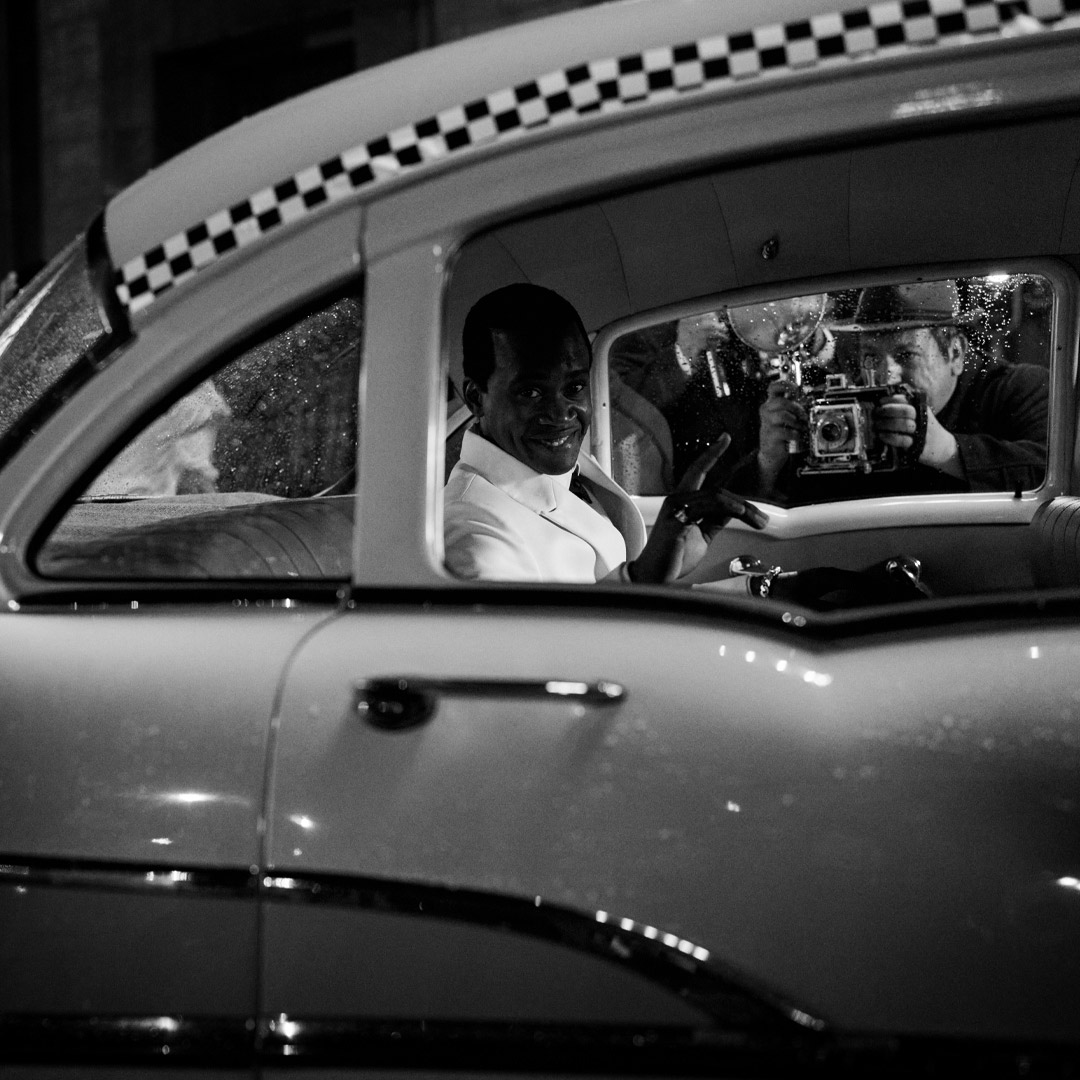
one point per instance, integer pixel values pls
(895, 421)
(689, 518)
(783, 419)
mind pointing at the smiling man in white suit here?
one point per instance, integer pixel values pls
(525, 502)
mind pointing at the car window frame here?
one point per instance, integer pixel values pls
(42, 588)
(1063, 463)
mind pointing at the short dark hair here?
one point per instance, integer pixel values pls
(522, 311)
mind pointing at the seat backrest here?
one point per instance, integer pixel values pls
(642, 455)
(1056, 541)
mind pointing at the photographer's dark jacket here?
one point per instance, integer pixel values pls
(998, 416)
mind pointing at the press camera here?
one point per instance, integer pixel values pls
(842, 436)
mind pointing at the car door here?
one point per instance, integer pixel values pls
(465, 827)
(803, 817)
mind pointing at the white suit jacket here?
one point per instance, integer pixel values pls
(503, 521)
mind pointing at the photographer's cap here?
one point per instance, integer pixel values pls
(919, 304)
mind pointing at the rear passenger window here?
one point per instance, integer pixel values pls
(897, 388)
(247, 476)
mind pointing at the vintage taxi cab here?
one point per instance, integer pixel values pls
(277, 789)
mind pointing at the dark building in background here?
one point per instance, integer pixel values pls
(95, 92)
(20, 145)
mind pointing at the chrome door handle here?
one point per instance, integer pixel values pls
(406, 701)
(906, 566)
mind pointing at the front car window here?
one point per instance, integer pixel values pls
(249, 475)
(902, 388)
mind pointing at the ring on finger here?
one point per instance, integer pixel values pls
(681, 515)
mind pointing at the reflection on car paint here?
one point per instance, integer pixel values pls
(672, 941)
(784, 667)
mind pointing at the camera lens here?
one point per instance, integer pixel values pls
(832, 431)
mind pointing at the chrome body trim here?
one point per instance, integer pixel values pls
(766, 1042)
(683, 967)
(94, 874)
(687, 969)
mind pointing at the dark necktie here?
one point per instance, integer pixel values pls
(578, 488)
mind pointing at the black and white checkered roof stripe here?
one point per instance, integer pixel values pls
(568, 95)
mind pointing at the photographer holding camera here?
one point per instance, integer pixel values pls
(981, 429)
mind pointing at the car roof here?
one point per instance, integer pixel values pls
(353, 136)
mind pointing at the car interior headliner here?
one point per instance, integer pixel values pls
(896, 203)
